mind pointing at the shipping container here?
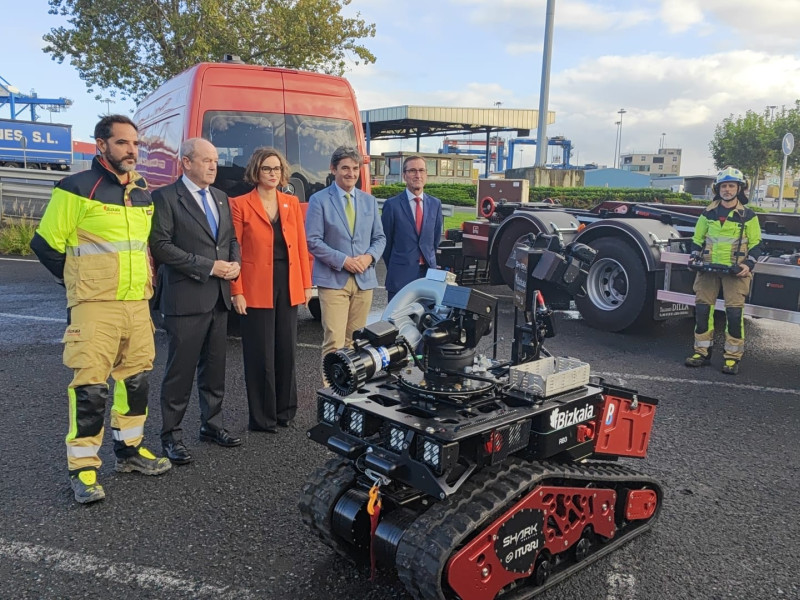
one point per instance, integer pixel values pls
(35, 145)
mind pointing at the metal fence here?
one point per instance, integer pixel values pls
(24, 193)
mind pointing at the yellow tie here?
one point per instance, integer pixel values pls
(350, 213)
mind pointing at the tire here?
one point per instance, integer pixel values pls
(315, 309)
(510, 235)
(12, 165)
(618, 288)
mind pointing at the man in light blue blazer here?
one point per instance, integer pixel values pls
(344, 233)
(412, 222)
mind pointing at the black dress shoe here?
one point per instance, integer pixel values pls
(176, 452)
(286, 422)
(220, 437)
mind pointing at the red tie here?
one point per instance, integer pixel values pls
(418, 215)
(418, 218)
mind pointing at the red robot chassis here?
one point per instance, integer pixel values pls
(473, 477)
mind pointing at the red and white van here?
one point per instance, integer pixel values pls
(238, 108)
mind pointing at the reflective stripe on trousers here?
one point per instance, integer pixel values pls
(123, 435)
(82, 451)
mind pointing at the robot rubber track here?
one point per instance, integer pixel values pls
(429, 544)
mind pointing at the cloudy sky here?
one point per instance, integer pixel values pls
(677, 67)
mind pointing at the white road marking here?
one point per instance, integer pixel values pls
(621, 586)
(33, 318)
(89, 566)
(30, 260)
(312, 346)
(717, 384)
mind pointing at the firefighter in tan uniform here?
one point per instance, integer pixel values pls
(93, 236)
(725, 248)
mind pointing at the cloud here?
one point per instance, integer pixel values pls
(524, 15)
(680, 15)
(474, 94)
(748, 23)
(682, 97)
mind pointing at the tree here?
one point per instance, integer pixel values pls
(747, 143)
(788, 121)
(132, 46)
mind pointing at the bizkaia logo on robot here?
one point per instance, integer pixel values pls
(559, 419)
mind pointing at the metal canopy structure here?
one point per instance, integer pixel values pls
(397, 122)
(405, 122)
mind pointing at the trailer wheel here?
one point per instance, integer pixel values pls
(315, 309)
(617, 287)
(11, 165)
(509, 236)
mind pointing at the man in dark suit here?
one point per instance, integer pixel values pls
(412, 223)
(194, 242)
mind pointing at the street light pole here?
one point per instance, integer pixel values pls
(497, 104)
(620, 112)
(544, 93)
(108, 102)
(616, 141)
(663, 140)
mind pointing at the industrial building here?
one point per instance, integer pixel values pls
(667, 161)
(442, 168)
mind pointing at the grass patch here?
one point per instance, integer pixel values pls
(457, 219)
(16, 236)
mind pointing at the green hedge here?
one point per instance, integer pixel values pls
(586, 197)
(460, 194)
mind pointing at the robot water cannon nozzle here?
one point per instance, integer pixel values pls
(448, 344)
(376, 347)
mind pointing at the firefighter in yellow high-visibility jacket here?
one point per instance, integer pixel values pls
(93, 236)
(727, 242)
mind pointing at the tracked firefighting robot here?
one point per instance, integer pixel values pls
(471, 476)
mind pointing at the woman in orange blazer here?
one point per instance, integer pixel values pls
(275, 279)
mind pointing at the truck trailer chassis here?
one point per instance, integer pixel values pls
(640, 273)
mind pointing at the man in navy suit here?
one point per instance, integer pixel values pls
(344, 233)
(412, 222)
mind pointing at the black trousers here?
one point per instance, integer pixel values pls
(269, 339)
(195, 343)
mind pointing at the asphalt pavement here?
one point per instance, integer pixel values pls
(227, 525)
